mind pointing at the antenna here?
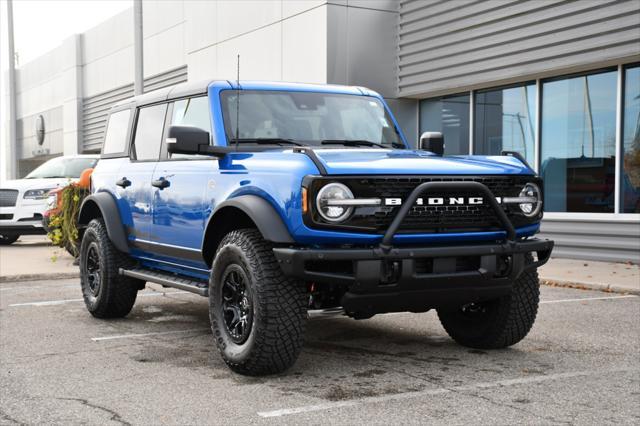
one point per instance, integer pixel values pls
(238, 103)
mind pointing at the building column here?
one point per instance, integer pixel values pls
(72, 101)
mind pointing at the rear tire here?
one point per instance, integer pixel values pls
(8, 239)
(106, 293)
(496, 323)
(257, 315)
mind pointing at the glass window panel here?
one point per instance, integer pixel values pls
(450, 116)
(578, 143)
(630, 183)
(505, 121)
(115, 140)
(192, 112)
(146, 145)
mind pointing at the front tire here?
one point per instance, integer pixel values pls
(8, 239)
(257, 315)
(496, 323)
(106, 293)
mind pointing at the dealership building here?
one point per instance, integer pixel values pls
(557, 81)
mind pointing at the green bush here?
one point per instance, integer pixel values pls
(63, 225)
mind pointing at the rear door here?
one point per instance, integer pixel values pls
(179, 210)
(135, 182)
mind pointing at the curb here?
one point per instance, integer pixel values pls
(39, 277)
(606, 288)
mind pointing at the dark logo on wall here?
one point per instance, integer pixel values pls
(40, 130)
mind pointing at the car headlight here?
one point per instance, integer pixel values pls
(331, 203)
(36, 194)
(52, 201)
(534, 204)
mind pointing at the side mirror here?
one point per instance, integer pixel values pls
(187, 140)
(433, 142)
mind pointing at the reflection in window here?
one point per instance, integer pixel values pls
(578, 143)
(630, 183)
(450, 116)
(505, 121)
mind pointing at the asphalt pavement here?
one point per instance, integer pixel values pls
(58, 365)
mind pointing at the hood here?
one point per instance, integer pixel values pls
(26, 184)
(409, 162)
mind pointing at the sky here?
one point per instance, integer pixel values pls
(40, 26)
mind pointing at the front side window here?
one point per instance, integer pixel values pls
(630, 184)
(63, 167)
(191, 112)
(307, 117)
(450, 116)
(115, 140)
(148, 136)
(578, 143)
(505, 121)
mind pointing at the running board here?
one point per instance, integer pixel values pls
(168, 280)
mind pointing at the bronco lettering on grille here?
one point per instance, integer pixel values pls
(438, 201)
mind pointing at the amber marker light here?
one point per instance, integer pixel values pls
(305, 203)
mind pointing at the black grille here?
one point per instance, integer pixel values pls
(8, 197)
(430, 218)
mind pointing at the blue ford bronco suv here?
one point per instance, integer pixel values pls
(283, 201)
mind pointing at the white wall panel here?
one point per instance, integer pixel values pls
(304, 41)
(260, 55)
(109, 37)
(237, 17)
(160, 15)
(164, 51)
(201, 27)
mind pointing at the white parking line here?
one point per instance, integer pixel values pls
(438, 391)
(588, 298)
(63, 301)
(38, 287)
(128, 336)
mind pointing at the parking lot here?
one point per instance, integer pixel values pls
(580, 364)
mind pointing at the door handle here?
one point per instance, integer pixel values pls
(124, 182)
(161, 183)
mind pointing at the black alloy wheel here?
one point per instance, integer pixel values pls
(93, 270)
(237, 304)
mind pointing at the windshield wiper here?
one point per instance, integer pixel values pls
(266, 141)
(351, 142)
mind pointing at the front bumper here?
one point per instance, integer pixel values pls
(389, 278)
(25, 218)
(415, 278)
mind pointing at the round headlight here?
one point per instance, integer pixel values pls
(328, 202)
(531, 209)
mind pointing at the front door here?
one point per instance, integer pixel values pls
(179, 210)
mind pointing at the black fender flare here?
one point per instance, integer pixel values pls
(106, 205)
(259, 210)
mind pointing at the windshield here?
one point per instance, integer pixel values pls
(311, 118)
(62, 167)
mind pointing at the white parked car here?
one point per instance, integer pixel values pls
(22, 201)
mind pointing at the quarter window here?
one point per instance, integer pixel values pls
(146, 145)
(115, 140)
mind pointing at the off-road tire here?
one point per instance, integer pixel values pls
(507, 320)
(8, 239)
(278, 306)
(116, 294)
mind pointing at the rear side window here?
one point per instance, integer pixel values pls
(115, 140)
(148, 137)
